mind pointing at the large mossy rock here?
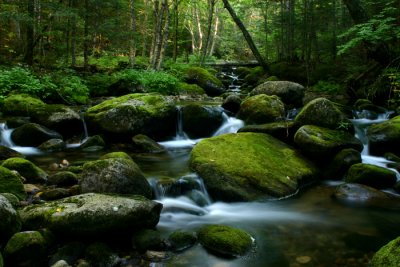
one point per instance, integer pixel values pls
(388, 255)
(10, 222)
(26, 249)
(385, 137)
(371, 175)
(114, 175)
(261, 109)
(33, 134)
(93, 215)
(201, 121)
(211, 85)
(225, 240)
(289, 92)
(11, 183)
(21, 105)
(123, 117)
(324, 113)
(322, 143)
(249, 166)
(27, 169)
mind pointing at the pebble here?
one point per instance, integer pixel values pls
(303, 259)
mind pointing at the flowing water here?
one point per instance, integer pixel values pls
(307, 229)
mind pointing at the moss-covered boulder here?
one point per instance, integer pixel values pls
(126, 116)
(371, 175)
(201, 121)
(144, 144)
(261, 109)
(93, 215)
(190, 89)
(26, 249)
(6, 152)
(322, 143)
(54, 193)
(63, 178)
(342, 161)
(225, 240)
(232, 103)
(33, 134)
(148, 239)
(283, 130)
(10, 222)
(11, 183)
(59, 118)
(211, 85)
(116, 155)
(324, 113)
(21, 105)
(385, 137)
(53, 145)
(180, 240)
(31, 172)
(114, 175)
(289, 92)
(248, 166)
(388, 255)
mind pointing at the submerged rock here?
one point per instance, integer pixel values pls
(248, 166)
(322, 112)
(10, 222)
(114, 175)
(225, 240)
(27, 169)
(371, 175)
(201, 121)
(385, 137)
(26, 249)
(81, 215)
(289, 92)
(148, 239)
(33, 134)
(260, 109)
(388, 255)
(180, 240)
(126, 116)
(323, 143)
(11, 183)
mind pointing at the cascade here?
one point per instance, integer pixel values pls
(5, 140)
(362, 120)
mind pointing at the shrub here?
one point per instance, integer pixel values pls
(327, 87)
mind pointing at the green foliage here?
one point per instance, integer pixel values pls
(99, 83)
(21, 80)
(151, 81)
(327, 87)
(176, 69)
(393, 77)
(380, 28)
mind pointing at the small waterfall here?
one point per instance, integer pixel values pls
(363, 119)
(229, 125)
(85, 130)
(5, 140)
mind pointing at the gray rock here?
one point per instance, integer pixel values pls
(63, 178)
(201, 121)
(10, 182)
(144, 144)
(385, 137)
(114, 175)
(53, 145)
(232, 103)
(10, 222)
(289, 92)
(81, 215)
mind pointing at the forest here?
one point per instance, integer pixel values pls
(349, 47)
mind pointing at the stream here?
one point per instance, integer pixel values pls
(307, 229)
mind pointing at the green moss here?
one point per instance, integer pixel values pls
(261, 109)
(247, 166)
(255, 75)
(121, 155)
(371, 175)
(21, 105)
(181, 240)
(202, 76)
(388, 255)
(26, 168)
(13, 199)
(148, 239)
(1, 261)
(11, 183)
(190, 89)
(225, 240)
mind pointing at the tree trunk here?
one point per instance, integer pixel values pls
(86, 37)
(28, 58)
(132, 46)
(165, 37)
(246, 35)
(176, 27)
(215, 33)
(73, 37)
(211, 7)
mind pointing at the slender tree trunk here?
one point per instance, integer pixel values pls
(357, 11)
(165, 37)
(246, 34)
(73, 36)
(157, 25)
(199, 29)
(132, 46)
(28, 58)
(144, 32)
(86, 37)
(211, 7)
(215, 33)
(176, 30)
